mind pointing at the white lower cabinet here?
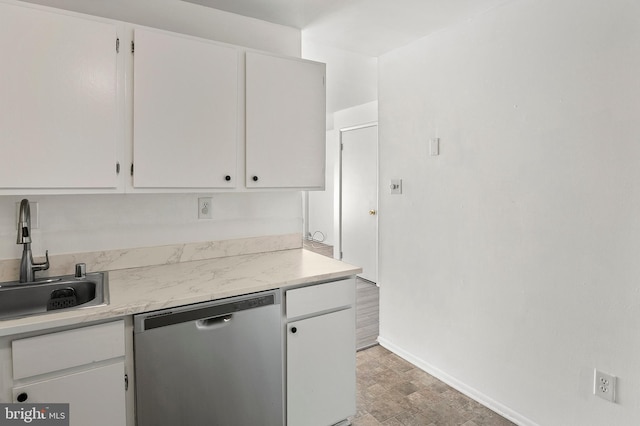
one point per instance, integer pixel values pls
(95, 396)
(321, 362)
(83, 367)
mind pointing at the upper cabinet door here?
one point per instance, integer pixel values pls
(285, 122)
(58, 100)
(185, 114)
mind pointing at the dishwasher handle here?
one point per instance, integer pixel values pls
(206, 312)
(214, 322)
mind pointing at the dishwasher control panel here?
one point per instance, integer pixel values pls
(254, 303)
(198, 311)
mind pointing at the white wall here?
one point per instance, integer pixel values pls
(352, 89)
(189, 18)
(101, 222)
(321, 204)
(80, 223)
(352, 78)
(510, 264)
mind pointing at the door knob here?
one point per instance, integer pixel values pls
(372, 212)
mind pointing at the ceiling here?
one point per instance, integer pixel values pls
(369, 27)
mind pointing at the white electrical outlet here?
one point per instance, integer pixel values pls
(604, 385)
(205, 210)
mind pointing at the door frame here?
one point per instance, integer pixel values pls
(338, 253)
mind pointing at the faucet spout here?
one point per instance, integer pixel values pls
(27, 266)
(24, 223)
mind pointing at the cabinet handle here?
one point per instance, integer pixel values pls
(227, 178)
(255, 178)
(22, 397)
(294, 330)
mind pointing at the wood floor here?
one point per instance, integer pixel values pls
(367, 314)
(367, 302)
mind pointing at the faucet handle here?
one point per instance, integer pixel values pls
(81, 270)
(42, 266)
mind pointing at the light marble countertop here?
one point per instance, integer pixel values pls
(144, 289)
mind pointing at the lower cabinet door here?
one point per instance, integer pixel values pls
(96, 397)
(321, 369)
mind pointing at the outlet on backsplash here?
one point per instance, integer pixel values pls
(204, 208)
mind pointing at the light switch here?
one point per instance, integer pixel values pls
(396, 186)
(434, 147)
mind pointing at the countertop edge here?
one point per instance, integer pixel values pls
(132, 291)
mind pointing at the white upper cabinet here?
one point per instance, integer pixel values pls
(285, 122)
(185, 112)
(58, 101)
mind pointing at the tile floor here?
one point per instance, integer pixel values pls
(393, 392)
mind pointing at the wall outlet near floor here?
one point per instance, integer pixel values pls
(604, 385)
(205, 210)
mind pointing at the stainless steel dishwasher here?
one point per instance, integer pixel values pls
(213, 363)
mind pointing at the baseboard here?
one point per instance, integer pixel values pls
(472, 393)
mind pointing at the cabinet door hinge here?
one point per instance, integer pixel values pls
(117, 45)
(131, 169)
(126, 382)
(118, 168)
(133, 46)
(341, 255)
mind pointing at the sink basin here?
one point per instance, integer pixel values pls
(52, 295)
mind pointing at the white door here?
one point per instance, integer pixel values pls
(359, 199)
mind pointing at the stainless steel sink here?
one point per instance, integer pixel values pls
(53, 295)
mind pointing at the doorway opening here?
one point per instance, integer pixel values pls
(358, 227)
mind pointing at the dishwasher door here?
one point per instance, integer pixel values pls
(215, 363)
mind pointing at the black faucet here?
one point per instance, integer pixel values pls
(27, 267)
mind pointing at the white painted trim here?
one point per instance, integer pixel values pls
(472, 393)
(360, 126)
(305, 214)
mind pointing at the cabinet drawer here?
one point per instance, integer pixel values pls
(66, 349)
(319, 298)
